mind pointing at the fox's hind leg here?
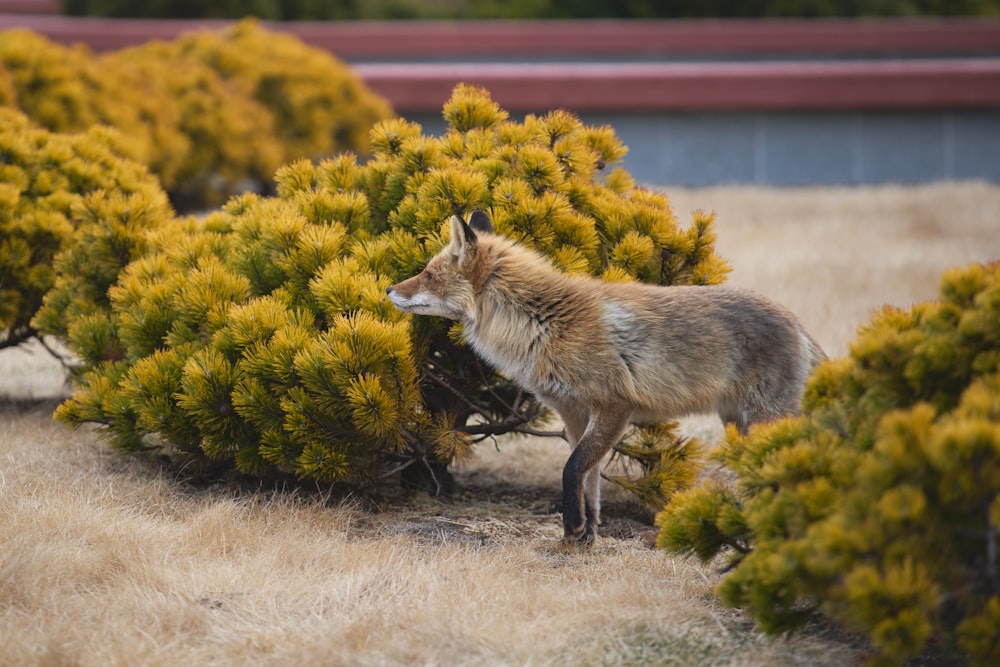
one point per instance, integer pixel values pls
(581, 503)
(731, 411)
(755, 407)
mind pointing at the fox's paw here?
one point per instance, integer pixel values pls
(583, 536)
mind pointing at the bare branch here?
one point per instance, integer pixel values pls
(475, 407)
(512, 424)
(16, 336)
(65, 361)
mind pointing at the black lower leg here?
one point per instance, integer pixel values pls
(574, 520)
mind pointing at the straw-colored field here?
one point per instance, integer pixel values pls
(112, 561)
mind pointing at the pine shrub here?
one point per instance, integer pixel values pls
(67, 89)
(260, 338)
(318, 105)
(208, 140)
(46, 180)
(211, 113)
(880, 506)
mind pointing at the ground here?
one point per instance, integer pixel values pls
(107, 560)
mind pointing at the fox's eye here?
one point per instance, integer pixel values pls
(428, 275)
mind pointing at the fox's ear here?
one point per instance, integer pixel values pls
(462, 236)
(480, 222)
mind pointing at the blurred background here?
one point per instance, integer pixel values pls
(766, 92)
(325, 10)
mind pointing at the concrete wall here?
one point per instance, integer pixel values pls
(809, 148)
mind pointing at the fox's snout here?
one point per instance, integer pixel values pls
(395, 294)
(408, 297)
(404, 290)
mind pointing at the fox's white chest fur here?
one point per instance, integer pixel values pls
(517, 342)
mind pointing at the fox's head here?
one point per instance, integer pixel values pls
(448, 284)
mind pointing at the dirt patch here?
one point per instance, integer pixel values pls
(486, 510)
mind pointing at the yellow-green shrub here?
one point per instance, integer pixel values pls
(44, 179)
(48, 81)
(219, 141)
(881, 505)
(64, 89)
(319, 106)
(8, 94)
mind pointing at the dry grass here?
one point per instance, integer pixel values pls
(111, 561)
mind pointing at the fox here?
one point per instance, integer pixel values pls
(604, 355)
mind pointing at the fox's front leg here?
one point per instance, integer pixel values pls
(580, 519)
